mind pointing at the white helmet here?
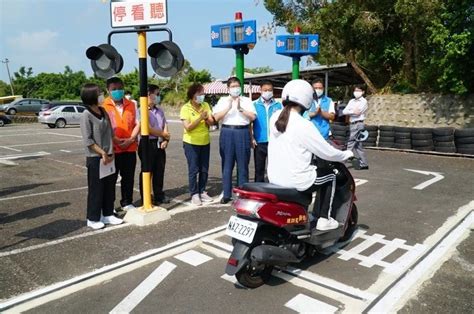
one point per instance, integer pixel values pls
(298, 91)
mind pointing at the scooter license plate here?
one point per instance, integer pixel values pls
(241, 229)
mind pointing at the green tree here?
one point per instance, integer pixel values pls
(4, 89)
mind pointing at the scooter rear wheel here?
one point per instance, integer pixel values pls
(254, 278)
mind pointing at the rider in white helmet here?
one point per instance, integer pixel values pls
(293, 141)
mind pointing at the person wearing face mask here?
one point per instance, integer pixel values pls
(322, 109)
(236, 113)
(265, 106)
(123, 116)
(97, 132)
(356, 109)
(196, 116)
(158, 142)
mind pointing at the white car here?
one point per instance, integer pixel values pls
(61, 116)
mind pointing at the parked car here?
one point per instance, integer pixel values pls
(4, 120)
(24, 105)
(61, 116)
(55, 104)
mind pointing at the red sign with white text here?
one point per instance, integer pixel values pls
(129, 13)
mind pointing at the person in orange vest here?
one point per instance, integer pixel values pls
(123, 116)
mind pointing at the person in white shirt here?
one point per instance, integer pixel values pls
(236, 113)
(293, 141)
(356, 109)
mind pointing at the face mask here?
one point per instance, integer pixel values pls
(117, 94)
(100, 99)
(319, 92)
(234, 91)
(357, 94)
(267, 95)
(128, 97)
(199, 99)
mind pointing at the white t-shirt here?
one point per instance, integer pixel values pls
(234, 117)
(290, 153)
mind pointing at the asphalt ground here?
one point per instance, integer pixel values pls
(44, 239)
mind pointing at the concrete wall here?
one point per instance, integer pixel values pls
(421, 110)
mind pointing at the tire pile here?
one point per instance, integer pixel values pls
(373, 134)
(402, 138)
(443, 139)
(422, 139)
(464, 139)
(340, 133)
(386, 136)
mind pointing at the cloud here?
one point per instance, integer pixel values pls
(33, 42)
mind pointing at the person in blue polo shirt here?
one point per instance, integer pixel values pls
(265, 106)
(322, 109)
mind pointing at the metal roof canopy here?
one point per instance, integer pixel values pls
(342, 74)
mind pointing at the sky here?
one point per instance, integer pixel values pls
(47, 35)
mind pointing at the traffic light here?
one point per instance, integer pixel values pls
(166, 58)
(105, 60)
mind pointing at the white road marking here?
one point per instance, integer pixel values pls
(64, 151)
(304, 304)
(359, 182)
(50, 243)
(193, 258)
(233, 280)
(59, 290)
(20, 156)
(8, 162)
(347, 255)
(437, 177)
(144, 288)
(9, 148)
(67, 163)
(424, 270)
(43, 143)
(62, 134)
(41, 193)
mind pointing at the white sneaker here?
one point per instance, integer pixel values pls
(206, 198)
(196, 200)
(128, 207)
(327, 224)
(111, 220)
(96, 225)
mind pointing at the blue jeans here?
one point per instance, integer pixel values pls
(234, 147)
(198, 164)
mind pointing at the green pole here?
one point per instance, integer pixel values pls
(296, 68)
(239, 67)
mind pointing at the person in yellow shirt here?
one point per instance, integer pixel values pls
(196, 116)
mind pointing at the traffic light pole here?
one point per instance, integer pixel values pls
(144, 121)
(295, 74)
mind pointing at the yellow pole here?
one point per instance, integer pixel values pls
(145, 132)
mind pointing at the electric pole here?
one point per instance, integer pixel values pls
(9, 77)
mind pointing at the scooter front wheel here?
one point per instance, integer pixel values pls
(254, 276)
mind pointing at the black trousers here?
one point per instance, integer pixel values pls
(158, 163)
(260, 154)
(325, 185)
(100, 192)
(125, 164)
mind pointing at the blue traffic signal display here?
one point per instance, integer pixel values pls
(235, 34)
(297, 45)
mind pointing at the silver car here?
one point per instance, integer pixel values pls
(24, 105)
(61, 116)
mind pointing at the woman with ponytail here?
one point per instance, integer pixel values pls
(293, 142)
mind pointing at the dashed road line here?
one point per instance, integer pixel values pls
(304, 304)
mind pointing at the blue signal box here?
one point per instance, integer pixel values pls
(234, 34)
(297, 45)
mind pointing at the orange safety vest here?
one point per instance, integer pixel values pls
(122, 124)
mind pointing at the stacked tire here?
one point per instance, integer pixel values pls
(422, 139)
(386, 136)
(464, 141)
(373, 134)
(443, 140)
(340, 133)
(402, 137)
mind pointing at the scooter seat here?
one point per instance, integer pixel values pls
(283, 194)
